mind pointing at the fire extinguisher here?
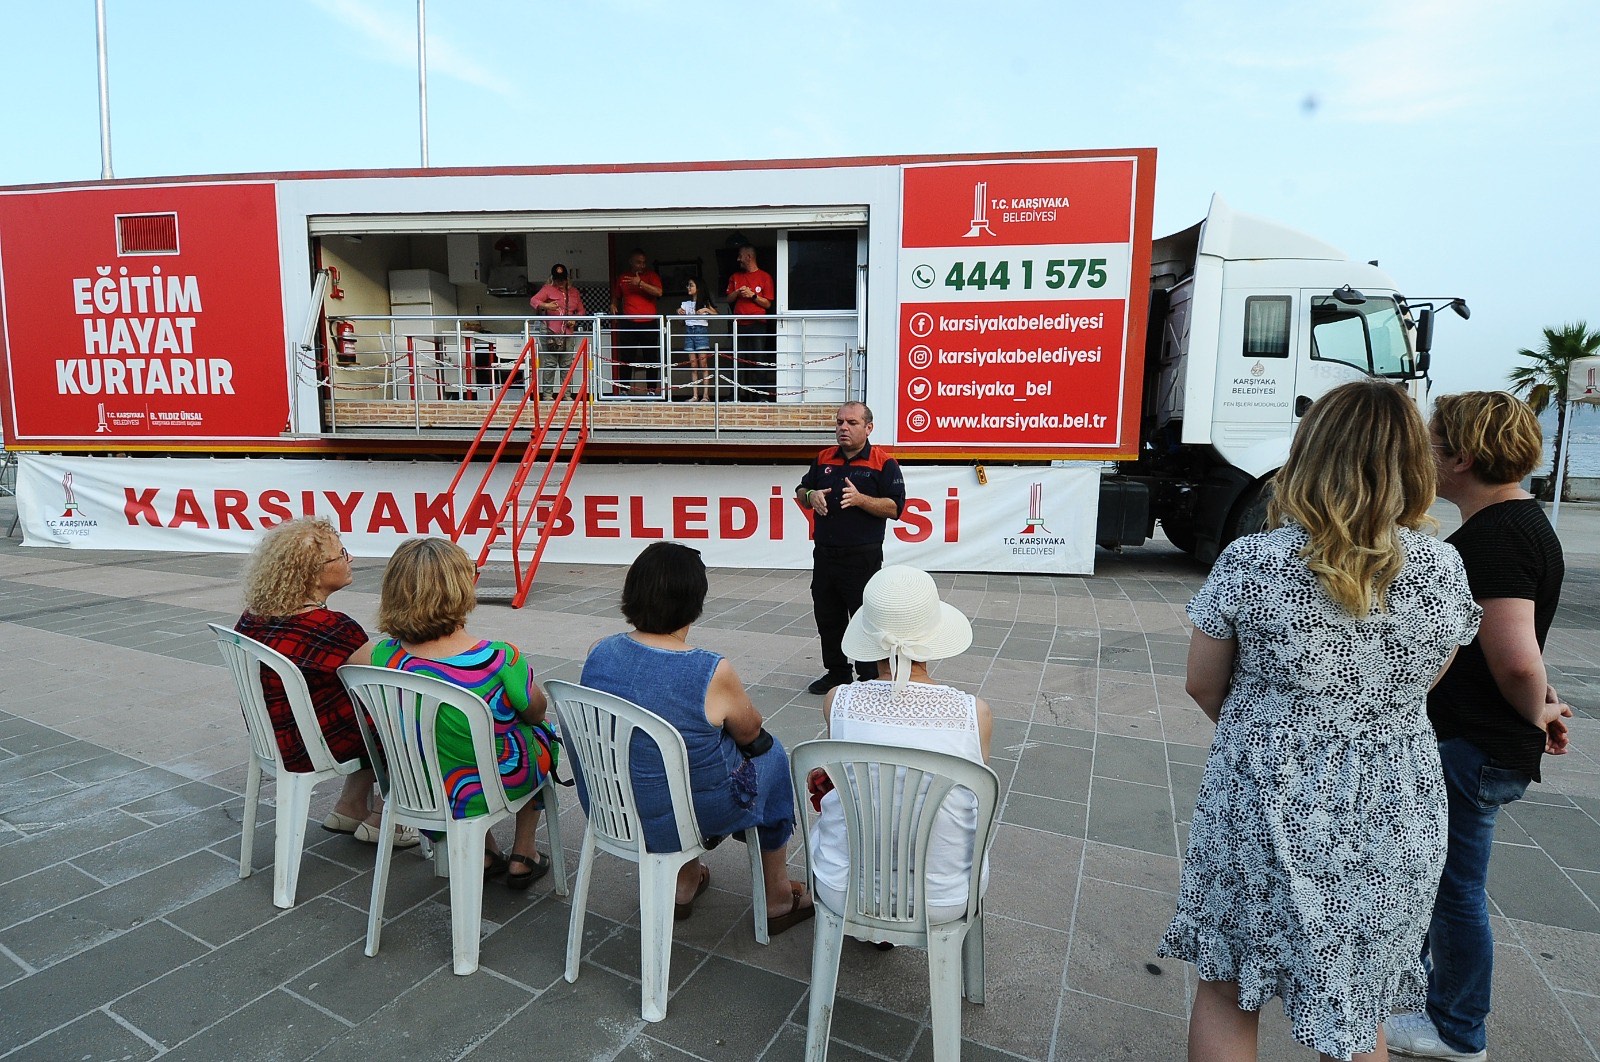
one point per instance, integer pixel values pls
(344, 339)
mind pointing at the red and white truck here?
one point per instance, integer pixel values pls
(186, 360)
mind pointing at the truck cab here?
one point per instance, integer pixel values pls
(1250, 323)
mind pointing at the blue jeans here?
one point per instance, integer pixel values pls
(1459, 947)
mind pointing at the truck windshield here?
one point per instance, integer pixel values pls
(1371, 336)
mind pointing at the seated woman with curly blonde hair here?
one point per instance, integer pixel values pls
(295, 568)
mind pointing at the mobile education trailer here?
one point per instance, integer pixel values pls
(187, 360)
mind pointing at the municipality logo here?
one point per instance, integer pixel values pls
(71, 523)
(71, 502)
(1035, 511)
(1035, 540)
(980, 211)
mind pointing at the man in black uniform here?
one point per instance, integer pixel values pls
(855, 489)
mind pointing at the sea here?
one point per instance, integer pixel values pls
(1583, 455)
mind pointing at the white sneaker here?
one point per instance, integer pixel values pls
(1414, 1036)
(404, 836)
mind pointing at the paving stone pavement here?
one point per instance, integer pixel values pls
(126, 933)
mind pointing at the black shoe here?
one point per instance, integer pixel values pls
(829, 681)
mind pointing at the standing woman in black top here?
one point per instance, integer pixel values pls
(1494, 710)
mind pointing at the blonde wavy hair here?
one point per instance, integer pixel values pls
(428, 589)
(1496, 429)
(1359, 469)
(285, 565)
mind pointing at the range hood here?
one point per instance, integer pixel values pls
(509, 282)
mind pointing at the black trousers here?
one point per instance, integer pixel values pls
(638, 353)
(838, 576)
(755, 352)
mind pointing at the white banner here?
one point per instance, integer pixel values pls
(1029, 519)
(1583, 380)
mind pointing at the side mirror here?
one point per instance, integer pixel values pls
(1424, 332)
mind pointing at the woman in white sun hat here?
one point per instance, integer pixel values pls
(903, 625)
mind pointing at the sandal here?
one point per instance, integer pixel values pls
(681, 911)
(539, 864)
(495, 865)
(792, 917)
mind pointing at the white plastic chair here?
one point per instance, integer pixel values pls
(401, 710)
(888, 842)
(244, 658)
(597, 729)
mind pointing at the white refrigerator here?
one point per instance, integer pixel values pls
(427, 363)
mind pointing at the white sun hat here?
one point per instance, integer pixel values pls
(902, 620)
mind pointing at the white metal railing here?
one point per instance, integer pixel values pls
(787, 358)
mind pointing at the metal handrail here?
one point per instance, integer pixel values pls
(811, 351)
(569, 444)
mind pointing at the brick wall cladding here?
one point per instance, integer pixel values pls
(646, 416)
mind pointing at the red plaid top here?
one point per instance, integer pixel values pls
(318, 642)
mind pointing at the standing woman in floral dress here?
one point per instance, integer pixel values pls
(1319, 830)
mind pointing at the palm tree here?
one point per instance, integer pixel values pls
(1545, 380)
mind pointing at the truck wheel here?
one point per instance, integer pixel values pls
(1249, 513)
(1179, 532)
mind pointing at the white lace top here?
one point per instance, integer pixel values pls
(936, 718)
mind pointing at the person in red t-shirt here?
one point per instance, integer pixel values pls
(751, 295)
(636, 338)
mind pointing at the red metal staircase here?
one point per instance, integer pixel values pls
(557, 433)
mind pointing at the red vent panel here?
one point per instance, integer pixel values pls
(147, 234)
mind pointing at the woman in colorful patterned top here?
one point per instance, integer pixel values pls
(295, 568)
(427, 592)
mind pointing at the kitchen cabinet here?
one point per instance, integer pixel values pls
(464, 253)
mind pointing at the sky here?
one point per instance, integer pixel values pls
(1455, 141)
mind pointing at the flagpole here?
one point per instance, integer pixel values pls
(105, 90)
(422, 73)
(1563, 445)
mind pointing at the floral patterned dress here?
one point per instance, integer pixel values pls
(1319, 831)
